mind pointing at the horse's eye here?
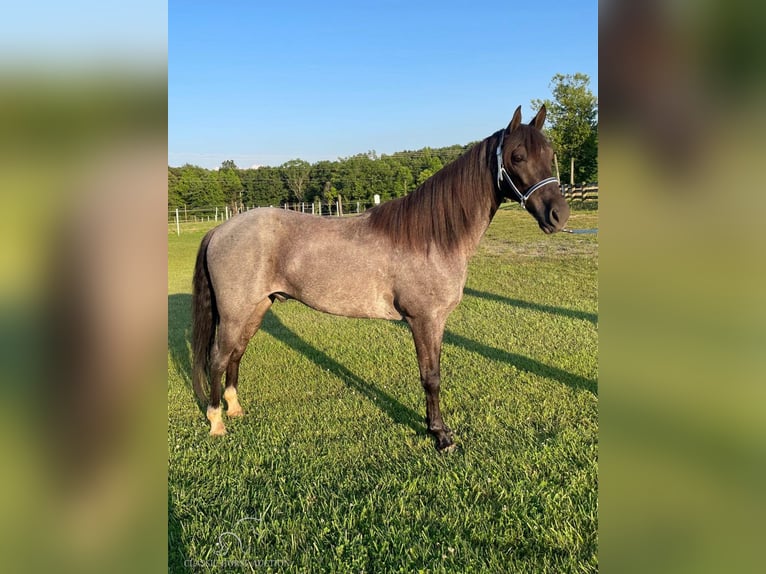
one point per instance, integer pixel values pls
(516, 158)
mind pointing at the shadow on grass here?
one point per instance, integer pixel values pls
(398, 412)
(179, 321)
(176, 547)
(521, 362)
(179, 335)
(571, 313)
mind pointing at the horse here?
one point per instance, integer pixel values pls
(405, 259)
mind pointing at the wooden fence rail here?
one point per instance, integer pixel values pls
(580, 192)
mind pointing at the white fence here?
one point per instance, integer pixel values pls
(181, 216)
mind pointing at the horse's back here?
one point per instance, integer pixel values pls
(262, 231)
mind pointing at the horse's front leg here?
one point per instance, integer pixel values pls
(428, 334)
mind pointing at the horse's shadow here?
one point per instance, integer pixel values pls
(179, 335)
(397, 412)
(550, 309)
(179, 331)
(177, 550)
(523, 363)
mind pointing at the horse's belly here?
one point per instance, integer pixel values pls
(352, 305)
(343, 278)
(365, 294)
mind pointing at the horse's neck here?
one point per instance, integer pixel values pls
(478, 229)
(486, 208)
(491, 200)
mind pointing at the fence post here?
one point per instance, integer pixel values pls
(571, 173)
(178, 224)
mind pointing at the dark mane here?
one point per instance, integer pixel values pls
(446, 207)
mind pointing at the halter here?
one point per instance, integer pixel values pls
(502, 174)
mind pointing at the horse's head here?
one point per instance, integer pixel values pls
(524, 160)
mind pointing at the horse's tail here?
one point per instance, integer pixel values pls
(204, 320)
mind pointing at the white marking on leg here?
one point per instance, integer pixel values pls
(233, 408)
(217, 427)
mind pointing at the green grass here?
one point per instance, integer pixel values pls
(332, 469)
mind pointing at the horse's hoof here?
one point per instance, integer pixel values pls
(233, 408)
(217, 428)
(235, 412)
(445, 444)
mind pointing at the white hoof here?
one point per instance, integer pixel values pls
(217, 428)
(233, 408)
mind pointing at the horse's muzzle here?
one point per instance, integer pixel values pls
(556, 218)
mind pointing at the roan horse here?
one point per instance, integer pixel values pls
(404, 259)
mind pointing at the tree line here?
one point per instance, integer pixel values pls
(572, 128)
(356, 178)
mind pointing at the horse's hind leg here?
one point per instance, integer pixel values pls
(226, 345)
(233, 408)
(219, 359)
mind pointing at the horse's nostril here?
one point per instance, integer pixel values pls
(554, 215)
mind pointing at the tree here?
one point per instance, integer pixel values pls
(297, 173)
(323, 173)
(264, 186)
(402, 179)
(573, 126)
(174, 194)
(231, 186)
(429, 165)
(329, 194)
(196, 187)
(396, 178)
(355, 178)
(212, 192)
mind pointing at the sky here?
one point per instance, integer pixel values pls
(82, 32)
(261, 83)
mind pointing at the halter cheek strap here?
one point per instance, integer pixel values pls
(502, 174)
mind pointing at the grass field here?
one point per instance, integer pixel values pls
(332, 470)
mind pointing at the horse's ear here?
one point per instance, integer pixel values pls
(515, 121)
(539, 119)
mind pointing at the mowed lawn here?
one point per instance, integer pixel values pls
(332, 470)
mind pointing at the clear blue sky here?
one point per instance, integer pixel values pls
(53, 36)
(264, 82)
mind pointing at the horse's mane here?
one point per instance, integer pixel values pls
(442, 211)
(448, 205)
